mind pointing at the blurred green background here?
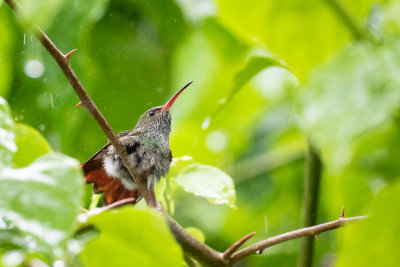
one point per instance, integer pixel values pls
(339, 89)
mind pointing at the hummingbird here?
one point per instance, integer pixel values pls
(147, 146)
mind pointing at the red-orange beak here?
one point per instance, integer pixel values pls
(168, 105)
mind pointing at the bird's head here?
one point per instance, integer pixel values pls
(159, 118)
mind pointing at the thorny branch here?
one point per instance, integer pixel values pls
(64, 64)
(196, 249)
(312, 230)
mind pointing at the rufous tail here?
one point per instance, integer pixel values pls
(112, 189)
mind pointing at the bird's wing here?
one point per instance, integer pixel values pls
(112, 188)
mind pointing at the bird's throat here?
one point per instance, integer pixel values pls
(156, 141)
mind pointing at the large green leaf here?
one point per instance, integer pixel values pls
(347, 98)
(209, 182)
(39, 202)
(131, 237)
(30, 145)
(43, 199)
(303, 33)
(374, 242)
(287, 27)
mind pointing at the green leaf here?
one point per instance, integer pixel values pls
(209, 182)
(131, 237)
(254, 65)
(350, 97)
(7, 145)
(43, 200)
(30, 143)
(369, 243)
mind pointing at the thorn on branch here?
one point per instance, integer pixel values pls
(342, 214)
(316, 237)
(79, 104)
(67, 56)
(227, 254)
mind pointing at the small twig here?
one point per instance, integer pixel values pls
(119, 203)
(232, 249)
(313, 230)
(114, 205)
(84, 216)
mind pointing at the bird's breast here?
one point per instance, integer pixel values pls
(144, 158)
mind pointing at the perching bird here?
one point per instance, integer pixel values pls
(147, 146)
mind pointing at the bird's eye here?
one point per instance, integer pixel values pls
(151, 112)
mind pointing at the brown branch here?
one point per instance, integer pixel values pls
(196, 249)
(232, 249)
(313, 231)
(87, 102)
(64, 64)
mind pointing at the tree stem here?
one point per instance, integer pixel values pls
(311, 195)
